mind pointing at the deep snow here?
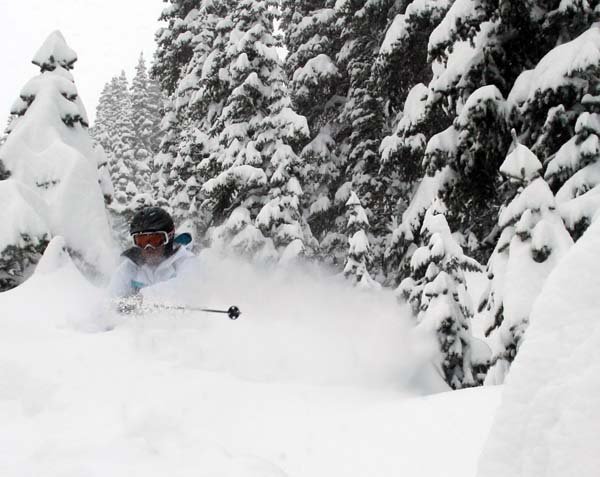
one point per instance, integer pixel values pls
(314, 379)
(548, 423)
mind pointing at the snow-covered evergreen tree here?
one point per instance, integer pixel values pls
(143, 124)
(318, 87)
(533, 239)
(125, 131)
(578, 199)
(402, 71)
(437, 293)
(124, 170)
(123, 147)
(363, 25)
(359, 256)
(555, 104)
(401, 61)
(255, 126)
(103, 130)
(51, 166)
(155, 107)
(546, 100)
(174, 43)
(401, 157)
(477, 52)
(190, 111)
(280, 218)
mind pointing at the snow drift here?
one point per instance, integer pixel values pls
(548, 422)
(313, 379)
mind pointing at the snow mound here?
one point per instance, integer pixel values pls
(188, 394)
(55, 257)
(547, 424)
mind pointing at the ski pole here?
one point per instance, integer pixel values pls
(233, 312)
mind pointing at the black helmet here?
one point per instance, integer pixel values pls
(151, 219)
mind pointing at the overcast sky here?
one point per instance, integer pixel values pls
(108, 36)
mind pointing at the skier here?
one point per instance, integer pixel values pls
(157, 255)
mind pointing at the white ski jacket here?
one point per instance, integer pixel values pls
(130, 277)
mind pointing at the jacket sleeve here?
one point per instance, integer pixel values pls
(121, 282)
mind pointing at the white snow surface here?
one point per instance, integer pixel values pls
(415, 107)
(314, 379)
(521, 164)
(547, 424)
(396, 32)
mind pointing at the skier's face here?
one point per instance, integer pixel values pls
(153, 256)
(153, 245)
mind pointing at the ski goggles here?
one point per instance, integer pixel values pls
(150, 239)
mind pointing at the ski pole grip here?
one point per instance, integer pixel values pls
(234, 312)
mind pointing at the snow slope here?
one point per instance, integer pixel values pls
(548, 423)
(312, 380)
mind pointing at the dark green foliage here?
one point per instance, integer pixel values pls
(174, 47)
(16, 260)
(4, 174)
(363, 117)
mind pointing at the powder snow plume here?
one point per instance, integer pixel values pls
(296, 324)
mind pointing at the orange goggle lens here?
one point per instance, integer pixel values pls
(150, 239)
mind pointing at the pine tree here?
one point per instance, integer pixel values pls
(318, 88)
(547, 99)
(401, 158)
(578, 158)
(255, 127)
(174, 43)
(557, 114)
(533, 239)
(437, 293)
(280, 217)
(401, 61)
(190, 113)
(143, 123)
(103, 130)
(363, 26)
(477, 53)
(155, 107)
(124, 170)
(312, 38)
(49, 171)
(175, 48)
(359, 252)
